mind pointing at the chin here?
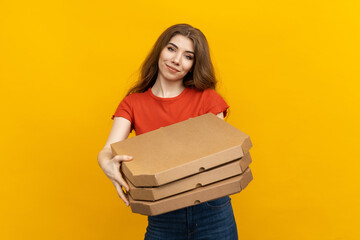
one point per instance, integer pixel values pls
(174, 79)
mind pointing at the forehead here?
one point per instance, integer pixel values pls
(182, 42)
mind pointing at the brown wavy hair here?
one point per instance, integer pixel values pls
(201, 76)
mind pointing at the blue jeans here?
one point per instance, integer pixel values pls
(208, 220)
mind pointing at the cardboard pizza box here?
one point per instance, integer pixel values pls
(180, 150)
(185, 184)
(199, 195)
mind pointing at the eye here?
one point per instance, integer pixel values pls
(170, 49)
(189, 57)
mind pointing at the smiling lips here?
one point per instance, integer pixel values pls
(172, 69)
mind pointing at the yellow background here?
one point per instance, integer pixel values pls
(288, 69)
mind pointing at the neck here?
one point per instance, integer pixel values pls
(167, 89)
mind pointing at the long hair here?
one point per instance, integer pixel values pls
(200, 77)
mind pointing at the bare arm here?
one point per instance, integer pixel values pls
(111, 164)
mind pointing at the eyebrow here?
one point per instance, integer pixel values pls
(178, 48)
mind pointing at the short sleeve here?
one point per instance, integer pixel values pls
(124, 109)
(214, 103)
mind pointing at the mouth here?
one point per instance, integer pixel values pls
(172, 69)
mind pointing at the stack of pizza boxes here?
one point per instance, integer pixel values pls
(184, 164)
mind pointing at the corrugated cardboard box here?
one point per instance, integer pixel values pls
(193, 197)
(180, 150)
(198, 180)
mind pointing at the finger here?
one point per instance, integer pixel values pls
(121, 181)
(120, 158)
(121, 193)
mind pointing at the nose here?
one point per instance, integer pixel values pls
(176, 59)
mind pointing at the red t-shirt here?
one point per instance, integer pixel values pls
(148, 112)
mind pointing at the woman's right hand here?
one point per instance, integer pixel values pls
(111, 167)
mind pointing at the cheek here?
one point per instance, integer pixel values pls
(165, 55)
(162, 58)
(187, 65)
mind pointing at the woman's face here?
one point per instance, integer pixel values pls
(177, 58)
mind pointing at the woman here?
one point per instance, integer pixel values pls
(177, 82)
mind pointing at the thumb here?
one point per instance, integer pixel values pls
(120, 158)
